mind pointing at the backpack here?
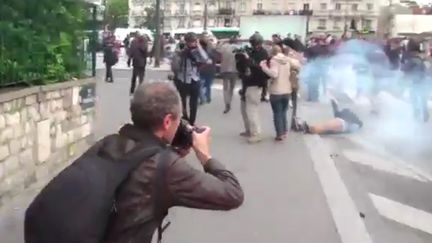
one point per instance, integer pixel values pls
(76, 206)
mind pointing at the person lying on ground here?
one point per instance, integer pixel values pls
(344, 121)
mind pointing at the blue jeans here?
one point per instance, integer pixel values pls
(279, 104)
(206, 83)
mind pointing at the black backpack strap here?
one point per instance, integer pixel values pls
(161, 193)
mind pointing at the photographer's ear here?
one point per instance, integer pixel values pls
(168, 121)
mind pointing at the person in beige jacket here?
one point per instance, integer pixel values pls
(278, 68)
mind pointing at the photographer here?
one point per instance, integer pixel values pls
(253, 81)
(122, 187)
(156, 116)
(192, 57)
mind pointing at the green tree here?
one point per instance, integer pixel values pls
(117, 13)
(39, 40)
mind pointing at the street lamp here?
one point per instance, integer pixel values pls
(205, 15)
(157, 43)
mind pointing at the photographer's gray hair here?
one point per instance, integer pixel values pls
(152, 102)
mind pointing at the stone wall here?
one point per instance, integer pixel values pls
(42, 129)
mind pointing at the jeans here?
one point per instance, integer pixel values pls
(109, 73)
(192, 91)
(229, 81)
(279, 104)
(206, 83)
(419, 102)
(137, 72)
(250, 110)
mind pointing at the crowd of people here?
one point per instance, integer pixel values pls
(273, 70)
(121, 189)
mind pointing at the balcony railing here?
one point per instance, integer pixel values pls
(226, 11)
(181, 13)
(197, 12)
(290, 12)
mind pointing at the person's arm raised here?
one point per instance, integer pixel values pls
(216, 189)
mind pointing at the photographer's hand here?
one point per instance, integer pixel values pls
(201, 145)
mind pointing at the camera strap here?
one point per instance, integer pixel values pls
(161, 191)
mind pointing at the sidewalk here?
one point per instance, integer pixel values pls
(284, 201)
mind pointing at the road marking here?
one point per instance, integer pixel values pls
(350, 226)
(403, 214)
(381, 164)
(371, 146)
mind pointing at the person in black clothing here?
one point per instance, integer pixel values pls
(344, 121)
(393, 52)
(138, 55)
(110, 58)
(299, 46)
(253, 80)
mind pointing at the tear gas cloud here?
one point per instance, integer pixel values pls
(361, 71)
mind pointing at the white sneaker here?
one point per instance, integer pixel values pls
(255, 139)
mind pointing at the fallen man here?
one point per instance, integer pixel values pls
(344, 121)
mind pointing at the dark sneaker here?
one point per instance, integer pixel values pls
(245, 134)
(227, 109)
(306, 127)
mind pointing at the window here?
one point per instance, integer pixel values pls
(338, 6)
(370, 6)
(243, 6)
(322, 23)
(354, 7)
(227, 22)
(181, 22)
(367, 24)
(306, 6)
(323, 6)
(336, 24)
(259, 6)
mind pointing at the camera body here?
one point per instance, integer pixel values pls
(183, 137)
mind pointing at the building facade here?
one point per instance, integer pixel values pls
(329, 16)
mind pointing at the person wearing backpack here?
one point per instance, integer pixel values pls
(121, 189)
(414, 69)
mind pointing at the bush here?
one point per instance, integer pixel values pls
(39, 40)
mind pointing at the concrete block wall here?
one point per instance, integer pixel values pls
(42, 129)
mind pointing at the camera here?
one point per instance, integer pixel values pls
(243, 50)
(183, 136)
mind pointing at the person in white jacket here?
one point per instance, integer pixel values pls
(278, 68)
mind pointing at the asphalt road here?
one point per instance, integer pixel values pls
(372, 186)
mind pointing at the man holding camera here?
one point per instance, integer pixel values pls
(121, 188)
(253, 81)
(191, 58)
(156, 115)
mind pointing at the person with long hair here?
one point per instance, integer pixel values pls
(278, 68)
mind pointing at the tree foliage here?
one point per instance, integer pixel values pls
(117, 13)
(39, 40)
